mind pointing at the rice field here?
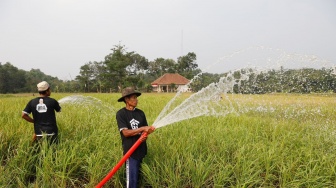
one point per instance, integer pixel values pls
(273, 140)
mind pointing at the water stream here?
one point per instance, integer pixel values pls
(87, 103)
(217, 99)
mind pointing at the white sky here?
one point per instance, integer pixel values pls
(59, 36)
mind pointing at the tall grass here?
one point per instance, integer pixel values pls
(270, 141)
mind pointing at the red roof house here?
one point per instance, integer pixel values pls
(171, 82)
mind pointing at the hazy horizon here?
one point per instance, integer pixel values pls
(58, 37)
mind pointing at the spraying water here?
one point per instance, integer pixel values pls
(204, 102)
(88, 103)
(216, 98)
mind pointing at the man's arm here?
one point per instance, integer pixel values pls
(133, 132)
(27, 117)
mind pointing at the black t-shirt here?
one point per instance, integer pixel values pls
(127, 119)
(43, 110)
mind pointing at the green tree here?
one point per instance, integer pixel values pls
(86, 76)
(138, 64)
(12, 80)
(160, 66)
(116, 64)
(35, 76)
(187, 66)
(136, 71)
(3, 79)
(99, 74)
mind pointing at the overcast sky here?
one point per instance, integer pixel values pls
(59, 36)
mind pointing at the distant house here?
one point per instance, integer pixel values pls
(171, 82)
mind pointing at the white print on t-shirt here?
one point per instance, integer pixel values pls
(134, 123)
(41, 107)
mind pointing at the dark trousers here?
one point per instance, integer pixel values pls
(50, 139)
(132, 172)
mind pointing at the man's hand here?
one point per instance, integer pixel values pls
(149, 129)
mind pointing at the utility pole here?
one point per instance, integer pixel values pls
(182, 43)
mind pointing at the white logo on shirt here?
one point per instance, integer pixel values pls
(134, 123)
(41, 107)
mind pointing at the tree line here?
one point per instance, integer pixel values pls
(122, 68)
(119, 69)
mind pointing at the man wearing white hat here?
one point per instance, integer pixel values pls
(43, 110)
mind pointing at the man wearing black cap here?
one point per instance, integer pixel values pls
(132, 123)
(43, 109)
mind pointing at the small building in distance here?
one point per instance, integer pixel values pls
(171, 82)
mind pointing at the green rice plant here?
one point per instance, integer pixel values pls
(274, 140)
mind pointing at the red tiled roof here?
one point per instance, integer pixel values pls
(171, 78)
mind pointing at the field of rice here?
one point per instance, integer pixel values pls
(273, 140)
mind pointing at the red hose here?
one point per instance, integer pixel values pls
(122, 161)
